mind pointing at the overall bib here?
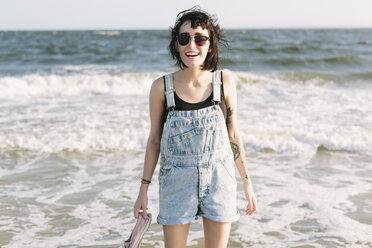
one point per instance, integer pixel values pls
(197, 169)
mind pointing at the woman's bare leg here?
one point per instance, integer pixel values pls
(175, 236)
(216, 234)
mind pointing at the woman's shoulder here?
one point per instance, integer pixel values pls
(228, 79)
(157, 88)
(159, 82)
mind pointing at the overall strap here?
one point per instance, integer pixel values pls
(217, 86)
(169, 91)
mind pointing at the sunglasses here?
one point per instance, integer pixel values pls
(184, 39)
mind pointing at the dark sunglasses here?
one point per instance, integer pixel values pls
(184, 39)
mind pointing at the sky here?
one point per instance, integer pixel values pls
(161, 14)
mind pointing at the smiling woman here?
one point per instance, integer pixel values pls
(205, 30)
(72, 138)
(198, 105)
(192, 53)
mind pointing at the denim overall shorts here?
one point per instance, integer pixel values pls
(197, 169)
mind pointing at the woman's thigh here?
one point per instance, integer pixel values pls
(216, 234)
(175, 236)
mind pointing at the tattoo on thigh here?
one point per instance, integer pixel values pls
(235, 149)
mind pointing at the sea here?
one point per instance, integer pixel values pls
(74, 123)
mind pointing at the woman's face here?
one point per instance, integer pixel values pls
(193, 53)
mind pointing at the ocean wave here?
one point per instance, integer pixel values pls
(82, 112)
(82, 142)
(95, 80)
(282, 50)
(313, 77)
(313, 143)
(327, 60)
(343, 59)
(107, 33)
(92, 80)
(286, 78)
(365, 75)
(364, 42)
(93, 138)
(52, 85)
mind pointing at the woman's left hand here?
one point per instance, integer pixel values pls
(251, 198)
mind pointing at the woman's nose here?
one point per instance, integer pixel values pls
(192, 42)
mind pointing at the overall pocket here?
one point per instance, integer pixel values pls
(164, 173)
(193, 142)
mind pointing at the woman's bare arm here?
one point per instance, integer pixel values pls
(236, 141)
(156, 108)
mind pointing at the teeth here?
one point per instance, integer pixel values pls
(191, 54)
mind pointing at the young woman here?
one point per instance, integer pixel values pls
(194, 128)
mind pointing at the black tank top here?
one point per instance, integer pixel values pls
(182, 105)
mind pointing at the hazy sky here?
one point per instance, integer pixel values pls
(146, 14)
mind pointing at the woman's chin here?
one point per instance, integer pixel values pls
(194, 65)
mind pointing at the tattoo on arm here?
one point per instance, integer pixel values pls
(235, 149)
(229, 113)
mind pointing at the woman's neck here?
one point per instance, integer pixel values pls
(194, 76)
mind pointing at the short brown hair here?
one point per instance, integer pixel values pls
(198, 17)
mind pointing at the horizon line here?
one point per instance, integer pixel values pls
(150, 29)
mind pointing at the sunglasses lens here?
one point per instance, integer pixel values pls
(183, 39)
(201, 40)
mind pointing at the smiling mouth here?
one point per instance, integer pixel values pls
(192, 55)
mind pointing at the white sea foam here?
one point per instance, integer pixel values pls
(54, 85)
(287, 117)
(50, 114)
(107, 33)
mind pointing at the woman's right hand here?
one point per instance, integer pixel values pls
(141, 204)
